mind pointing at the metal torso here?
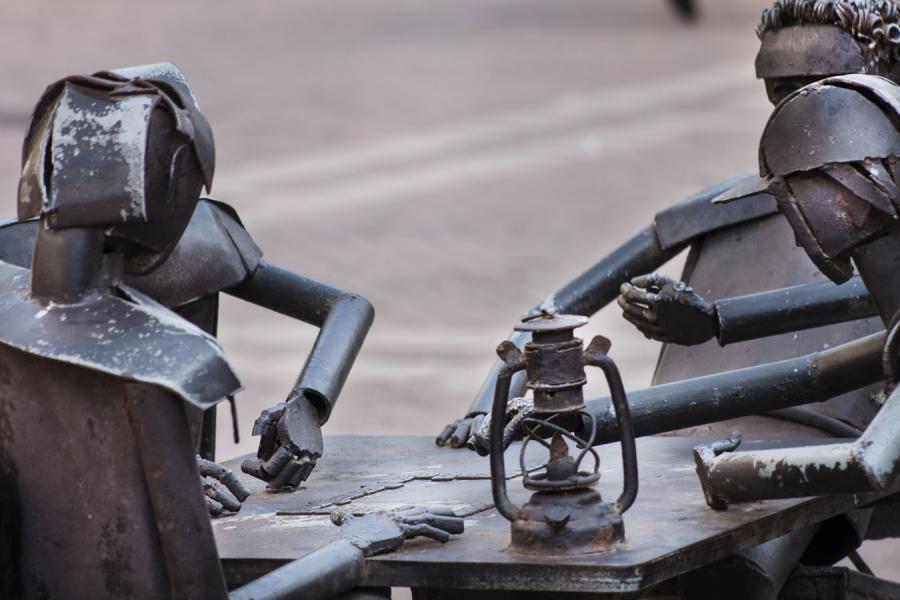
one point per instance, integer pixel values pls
(751, 257)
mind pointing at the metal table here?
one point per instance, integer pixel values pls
(669, 530)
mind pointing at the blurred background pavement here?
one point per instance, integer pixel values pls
(454, 162)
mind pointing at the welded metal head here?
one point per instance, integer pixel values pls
(831, 153)
(127, 150)
(803, 41)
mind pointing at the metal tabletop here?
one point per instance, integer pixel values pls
(669, 530)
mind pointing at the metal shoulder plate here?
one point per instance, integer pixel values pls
(837, 120)
(214, 254)
(125, 335)
(703, 213)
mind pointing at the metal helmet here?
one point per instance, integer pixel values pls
(803, 41)
(831, 152)
(127, 150)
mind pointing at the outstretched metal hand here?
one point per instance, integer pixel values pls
(667, 310)
(290, 443)
(380, 532)
(222, 489)
(517, 410)
(459, 431)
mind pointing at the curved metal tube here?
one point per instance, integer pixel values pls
(794, 308)
(626, 429)
(498, 419)
(870, 463)
(750, 391)
(344, 319)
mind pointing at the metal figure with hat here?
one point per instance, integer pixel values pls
(189, 249)
(100, 491)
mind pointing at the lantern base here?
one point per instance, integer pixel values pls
(565, 523)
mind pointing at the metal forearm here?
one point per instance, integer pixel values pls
(586, 294)
(336, 568)
(343, 318)
(792, 309)
(870, 463)
(811, 378)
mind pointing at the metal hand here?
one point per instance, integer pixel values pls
(290, 443)
(517, 410)
(223, 490)
(379, 532)
(459, 431)
(667, 310)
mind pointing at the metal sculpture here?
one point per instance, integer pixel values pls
(837, 186)
(100, 384)
(210, 252)
(565, 514)
(745, 252)
(745, 246)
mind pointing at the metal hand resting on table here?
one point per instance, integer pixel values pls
(290, 443)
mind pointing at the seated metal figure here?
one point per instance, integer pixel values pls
(207, 251)
(744, 246)
(99, 486)
(836, 182)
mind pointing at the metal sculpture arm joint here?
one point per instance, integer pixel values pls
(290, 435)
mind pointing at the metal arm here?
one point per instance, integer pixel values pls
(343, 318)
(755, 390)
(792, 309)
(340, 566)
(870, 463)
(336, 568)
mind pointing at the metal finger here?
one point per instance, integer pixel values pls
(235, 486)
(275, 464)
(512, 430)
(644, 314)
(461, 434)
(306, 465)
(281, 479)
(426, 531)
(223, 496)
(214, 508)
(444, 511)
(225, 475)
(449, 524)
(444, 436)
(648, 281)
(477, 420)
(645, 327)
(635, 296)
(253, 466)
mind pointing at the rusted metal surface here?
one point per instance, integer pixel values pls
(670, 528)
(836, 186)
(564, 515)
